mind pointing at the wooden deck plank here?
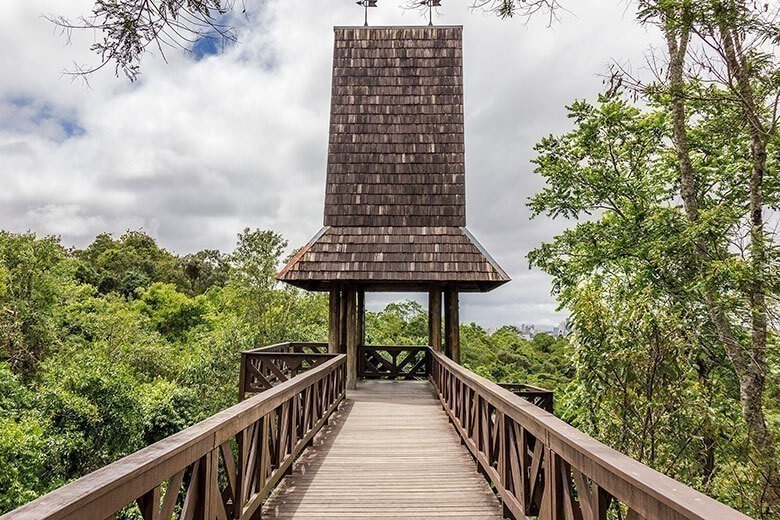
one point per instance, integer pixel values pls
(389, 452)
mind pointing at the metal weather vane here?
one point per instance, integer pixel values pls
(431, 4)
(366, 4)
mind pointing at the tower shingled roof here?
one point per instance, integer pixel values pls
(395, 211)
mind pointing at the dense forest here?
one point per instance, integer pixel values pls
(110, 348)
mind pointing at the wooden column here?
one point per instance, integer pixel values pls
(434, 318)
(352, 337)
(451, 324)
(343, 321)
(361, 316)
(334, 323)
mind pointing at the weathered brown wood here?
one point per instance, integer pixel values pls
(242, 384)
(434, 318)
(149, 504)
(533, 394)
(558, 460)
(334, 326)
(395, 211)
(388, 453)
(104, 492)
(452, 323)
(263, 370)
(352, 337)
(393, 362)
(361, 316)
(343, 321)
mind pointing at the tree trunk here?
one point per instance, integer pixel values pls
(753, 378)
(750, 368)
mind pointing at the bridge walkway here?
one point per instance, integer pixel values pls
(389, 452)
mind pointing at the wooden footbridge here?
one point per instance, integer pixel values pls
(347, 430)
(451, 446)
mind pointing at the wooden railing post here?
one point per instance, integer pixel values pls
(361, 317)
(343, 320)
(242, 378)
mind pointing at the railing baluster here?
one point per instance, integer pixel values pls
(192, 501)
(149, 504)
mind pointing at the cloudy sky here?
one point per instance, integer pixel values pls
(198, 149)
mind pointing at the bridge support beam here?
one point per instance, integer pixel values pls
(452, 323)
(434, 318)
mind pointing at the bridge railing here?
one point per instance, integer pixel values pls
(541, 397)
(265, 367)
(223, 467)
(394, 362)
(541, 466)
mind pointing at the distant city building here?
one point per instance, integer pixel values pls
(561, 330)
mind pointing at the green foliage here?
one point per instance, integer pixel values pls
(126, 264)
(33, 275)
(22, 444)
(506, 357)
(116, 346)
(650, 376)
(400, 323)
(93, 405)
(171, 313)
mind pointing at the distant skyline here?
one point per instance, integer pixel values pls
(205, 145)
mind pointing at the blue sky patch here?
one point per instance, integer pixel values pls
(208, 45)
(39, 114)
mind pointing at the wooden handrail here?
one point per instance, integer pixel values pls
(269, 431)
(394, 361)
(542, 466)
(292, 346)
(261, 371)
(541, 397)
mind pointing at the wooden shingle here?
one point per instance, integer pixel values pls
(395, 208)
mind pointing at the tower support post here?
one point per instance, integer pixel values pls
(452, 323)
(334, 324)
(434, 318)
(352, 337)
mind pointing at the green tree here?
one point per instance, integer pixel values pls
(171, 313)
(205, 269)
(128, 263)
(399, 323)
(93, 406)
(648, 353)
(32, 278)
(23, 447)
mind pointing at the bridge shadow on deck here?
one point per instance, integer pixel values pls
(389, 452)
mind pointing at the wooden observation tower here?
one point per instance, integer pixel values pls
(395, 200)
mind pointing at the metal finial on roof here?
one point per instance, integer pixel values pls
(366, 4)
(431, 4)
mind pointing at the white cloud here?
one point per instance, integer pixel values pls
(198, 150)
